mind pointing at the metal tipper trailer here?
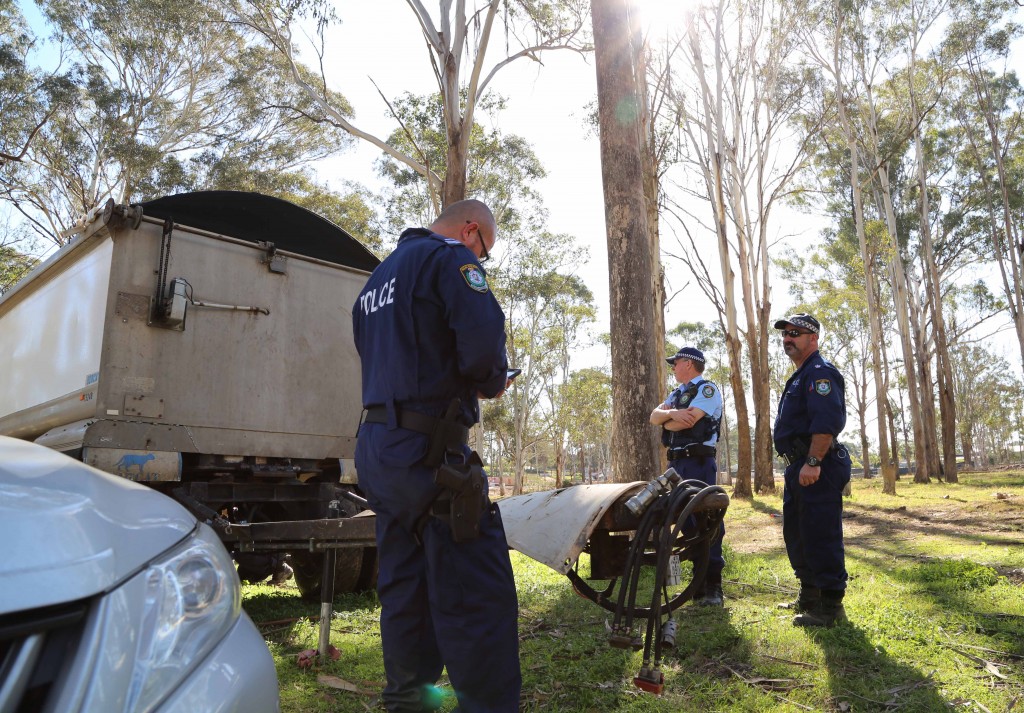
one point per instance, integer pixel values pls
(202, 344)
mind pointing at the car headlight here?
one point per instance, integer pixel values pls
(192, 600)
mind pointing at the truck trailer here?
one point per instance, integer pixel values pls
(202, 344)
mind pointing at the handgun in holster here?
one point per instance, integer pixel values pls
(464, 499)
(445, 436)
(797, 450)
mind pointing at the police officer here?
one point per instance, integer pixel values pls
(431, 338)
(812, 413)
(690, 420)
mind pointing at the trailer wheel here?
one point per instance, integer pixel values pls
(351, 573)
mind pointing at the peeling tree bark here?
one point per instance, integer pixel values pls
(635, 372)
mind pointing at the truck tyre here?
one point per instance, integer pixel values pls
(351, 572)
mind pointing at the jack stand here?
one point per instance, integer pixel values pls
(327, 602)
(327, 589)
(621, 639)
(324, 650)
(650, 679)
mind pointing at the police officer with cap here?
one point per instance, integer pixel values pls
(431, 338)
(812, 413)
(690, 420)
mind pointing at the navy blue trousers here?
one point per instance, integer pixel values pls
(812, 522)
(443, 604)
(705, 469)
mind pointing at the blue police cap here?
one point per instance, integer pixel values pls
(800, 319)
(687, 353)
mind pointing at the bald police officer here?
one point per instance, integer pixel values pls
(431, 338)
(690, 420)
(812, 413)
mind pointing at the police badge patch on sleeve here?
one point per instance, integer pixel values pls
(823, 387)
(708, 391)
(474, 277)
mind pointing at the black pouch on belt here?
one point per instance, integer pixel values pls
(467, 486)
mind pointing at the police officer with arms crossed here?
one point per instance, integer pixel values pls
(812, 413)
(431, 338)
(690, 420)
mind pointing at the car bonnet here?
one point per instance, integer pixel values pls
(70, 531)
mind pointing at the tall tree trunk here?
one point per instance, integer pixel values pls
(717, 147)
(901, 305)
(874, 318)
(862, 416)
(651, 188)
(635, 373)
(1007, 244)
(947, 404)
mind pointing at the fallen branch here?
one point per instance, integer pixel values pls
(795, 663)
(770, 684)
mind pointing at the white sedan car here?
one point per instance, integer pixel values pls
(114, 599)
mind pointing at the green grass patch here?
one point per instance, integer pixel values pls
(935, 606)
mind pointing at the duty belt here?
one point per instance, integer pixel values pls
(694, 450)
(419, 422)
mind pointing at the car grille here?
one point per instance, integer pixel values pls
(35, 646)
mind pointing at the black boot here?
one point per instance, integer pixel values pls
(805, 601)
(712, 595)
(828, 611)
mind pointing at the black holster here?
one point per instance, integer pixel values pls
(447, 434)
(464, 499)
(797, 450)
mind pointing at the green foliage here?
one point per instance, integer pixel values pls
(502, 169)
(13, 266)
(167, 97)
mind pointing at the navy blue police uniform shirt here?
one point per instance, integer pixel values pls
(428, 329)
(814, 401)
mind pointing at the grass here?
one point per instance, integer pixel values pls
(935, 605)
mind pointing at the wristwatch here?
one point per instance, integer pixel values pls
(813, 462)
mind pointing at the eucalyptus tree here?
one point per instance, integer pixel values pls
(29, 96)
(920, 19)
(168, 96)
(831, 49)
(742, 92)
(990, 395)
(13, 266)
(990, 111)
(886, 128)
(502, 169)
(546, 310)
(590, 393)
(572, 312)
(635, 339)
(458, 37)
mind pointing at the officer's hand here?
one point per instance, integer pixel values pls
(809, 474)
(497, 395)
